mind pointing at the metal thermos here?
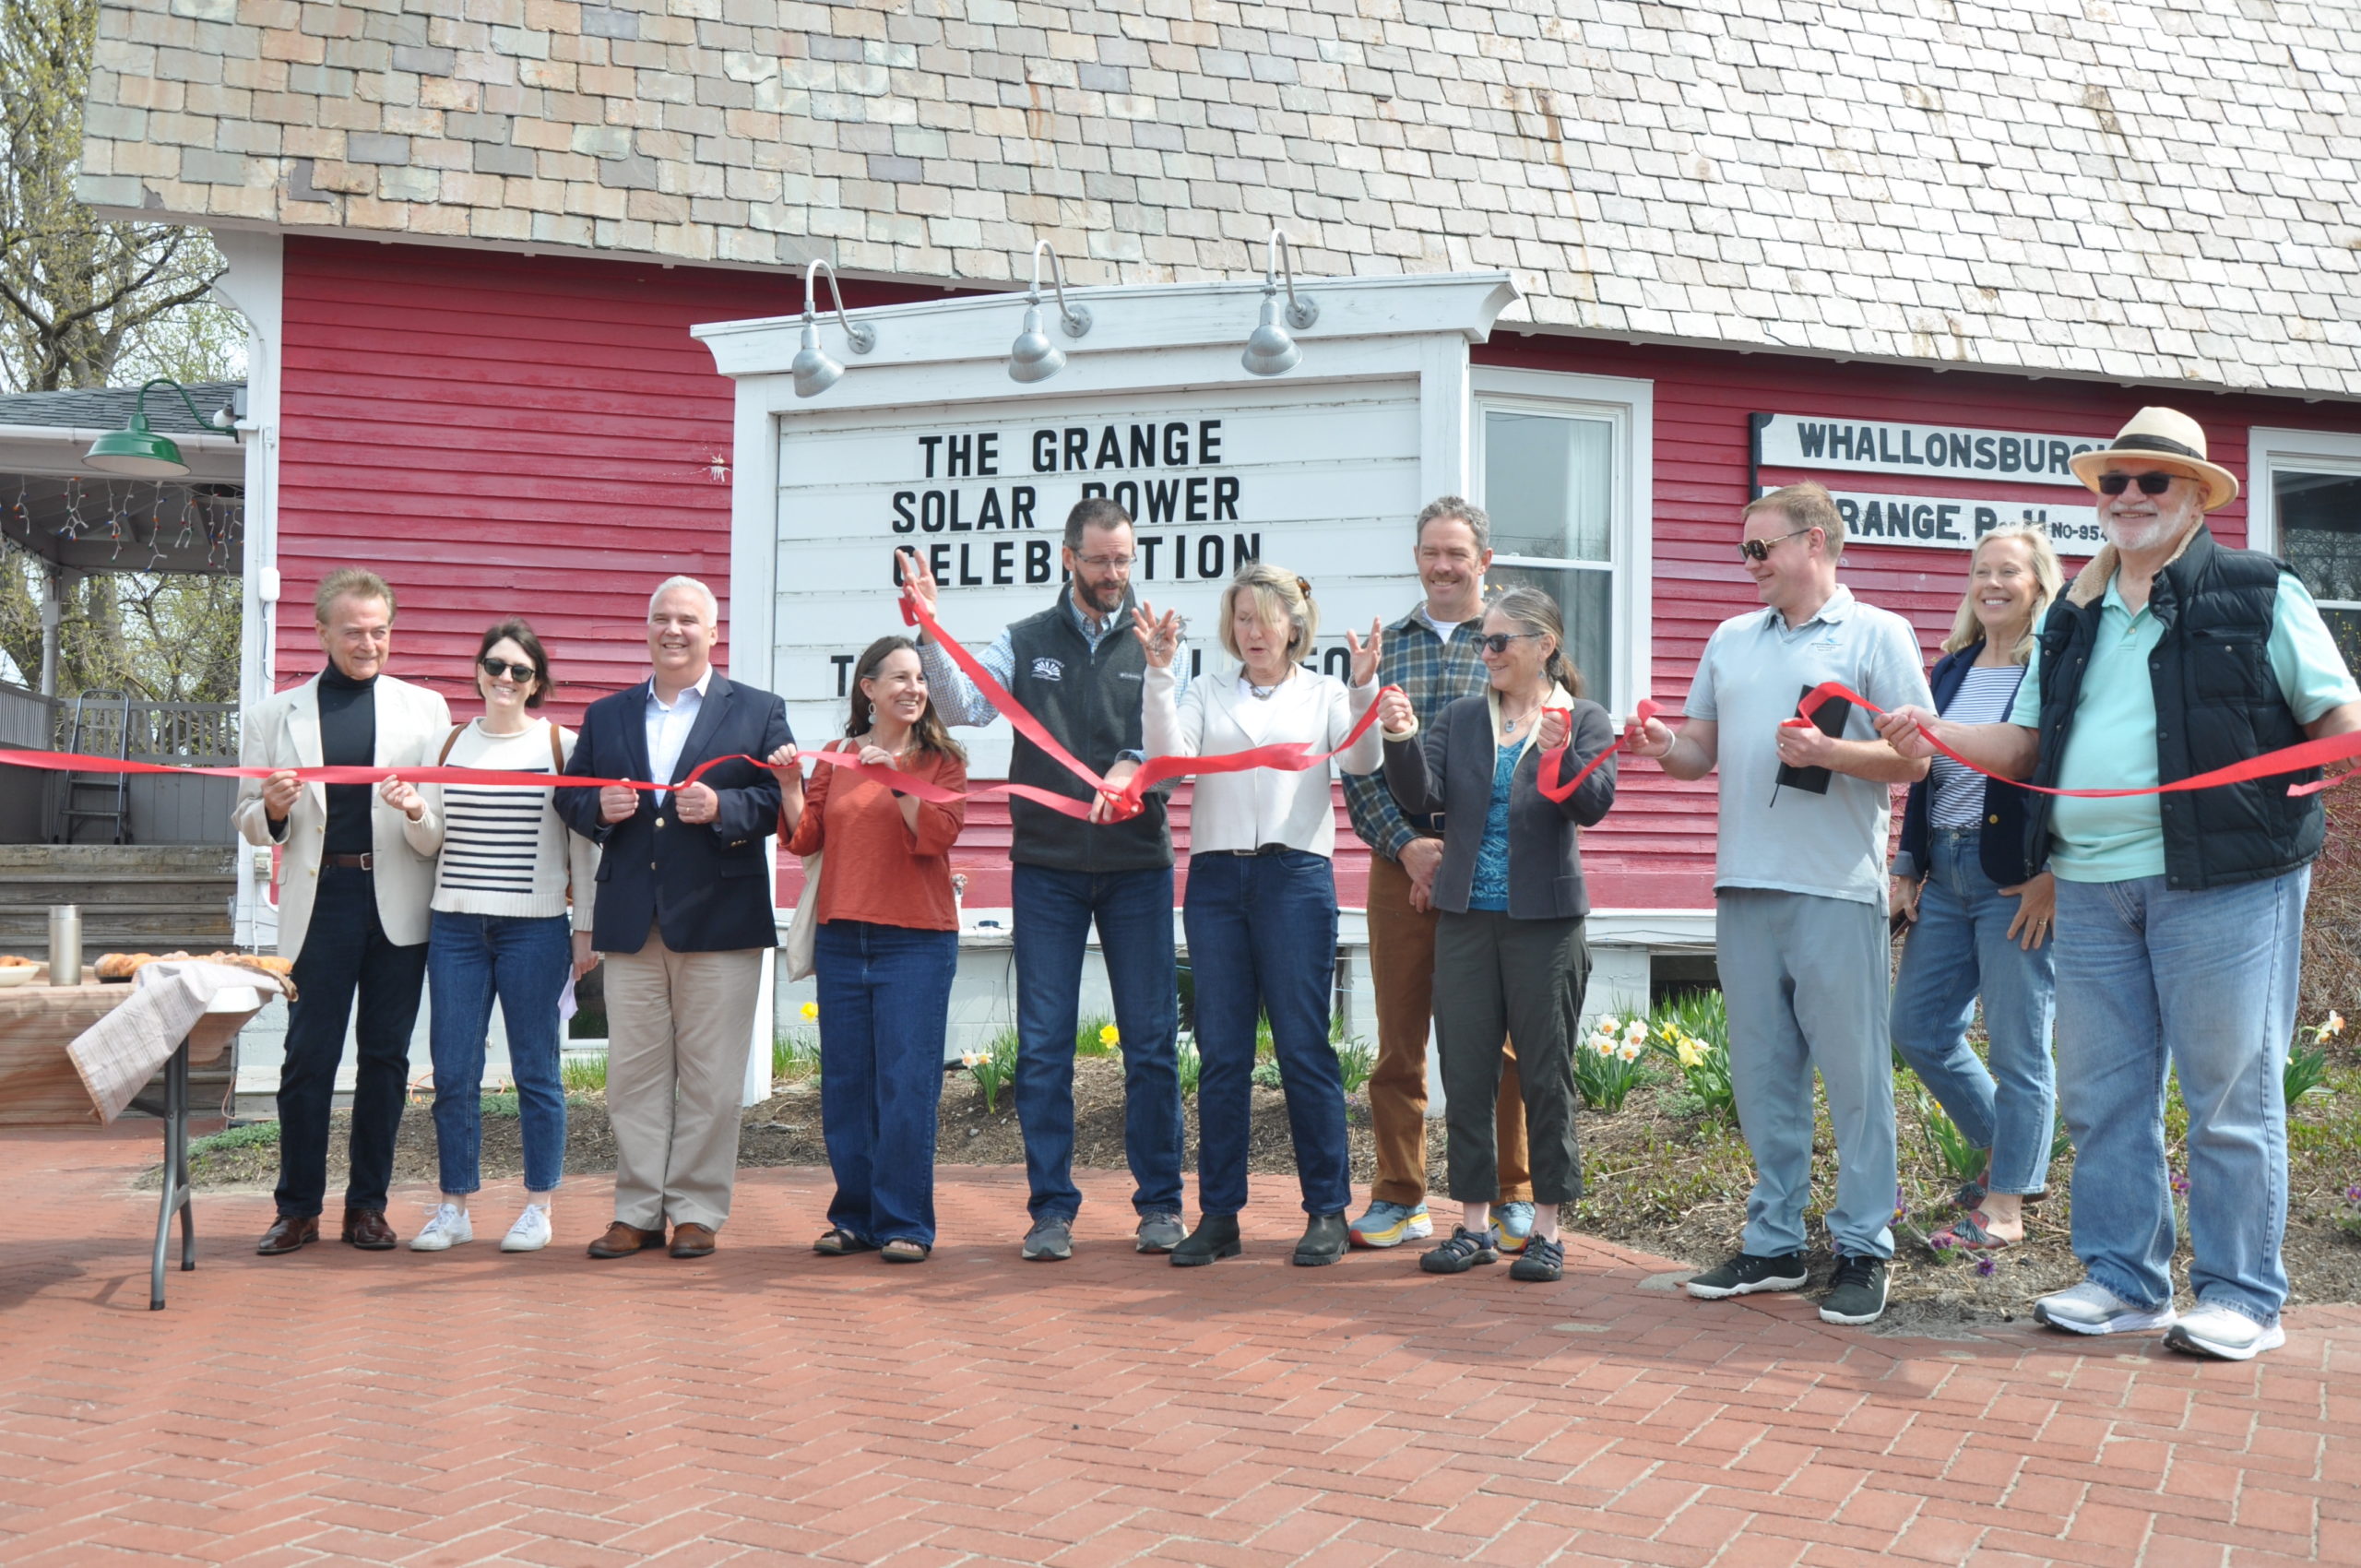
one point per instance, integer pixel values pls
(65, 944)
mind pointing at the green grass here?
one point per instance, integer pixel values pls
(255, 1135)
(795, 1055)
(1089, 1038)
(583, 1075)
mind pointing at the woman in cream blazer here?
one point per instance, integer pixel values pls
(1261, 905)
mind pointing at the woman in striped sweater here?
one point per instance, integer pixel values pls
(506, 873)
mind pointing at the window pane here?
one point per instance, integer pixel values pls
(1548, 483)
(2345, 626)
(1585, 600)
(2319, 530)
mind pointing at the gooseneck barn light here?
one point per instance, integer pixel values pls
(140, 453)
(1033, 357)
(1270, 350)
(814, 371)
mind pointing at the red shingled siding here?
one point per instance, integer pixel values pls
(504, 434)
(1657, 848)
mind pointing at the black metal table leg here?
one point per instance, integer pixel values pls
(175, 1198)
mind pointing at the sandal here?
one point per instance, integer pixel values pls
(903, 1249)
(837, 1243)
(1967, 1234)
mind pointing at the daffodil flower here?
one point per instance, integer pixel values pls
(1109, 1036)
(810, 1009)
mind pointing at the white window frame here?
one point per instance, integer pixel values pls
(1629, 405)
(2308, 451)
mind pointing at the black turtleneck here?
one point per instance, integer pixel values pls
(348, 739)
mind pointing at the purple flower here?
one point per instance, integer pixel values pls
(1943, 1243)
(2352, 1194)
(2180, 1183)
(1987, 1268)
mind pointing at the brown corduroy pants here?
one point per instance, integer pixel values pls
(1402, 970)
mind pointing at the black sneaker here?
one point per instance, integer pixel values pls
(1746, 1274)
(1858, 1294)
(1541, 1263)
(1463, 1251)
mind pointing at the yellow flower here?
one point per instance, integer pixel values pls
(810, 1009)
(1108, 1035)
(1692, 1053)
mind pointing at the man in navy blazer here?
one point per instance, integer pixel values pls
(684, 913)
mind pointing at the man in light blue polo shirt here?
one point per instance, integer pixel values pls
(1799, 892)
(2181, 917)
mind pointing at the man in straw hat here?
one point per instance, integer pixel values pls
(2180, 917)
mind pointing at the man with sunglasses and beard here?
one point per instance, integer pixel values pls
(1799, 891)
(1078, 669)
(2180, 917)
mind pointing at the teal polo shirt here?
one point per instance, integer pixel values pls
(2112, 743)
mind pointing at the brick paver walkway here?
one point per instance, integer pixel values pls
(768, 1405)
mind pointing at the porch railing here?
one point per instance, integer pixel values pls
(201, 732)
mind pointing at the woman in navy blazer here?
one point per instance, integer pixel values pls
(1981, 919)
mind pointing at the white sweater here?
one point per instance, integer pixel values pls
(1261, 805)
(502, 850)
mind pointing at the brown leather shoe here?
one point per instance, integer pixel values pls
(366, 1228)
(693, 1240)
(288, 1232)
(621, 1241)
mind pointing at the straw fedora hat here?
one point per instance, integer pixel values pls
(2167, 439)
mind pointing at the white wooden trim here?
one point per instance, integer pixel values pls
(1630, 404)
(2268, 449)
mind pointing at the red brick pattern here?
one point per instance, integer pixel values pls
(766, 1404)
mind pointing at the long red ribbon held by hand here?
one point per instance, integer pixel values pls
(1553, 761)
(2298, 759)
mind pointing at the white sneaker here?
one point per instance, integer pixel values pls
(447, 1230)
(530, 1234)
(2091, 1308)
(2225, 1335)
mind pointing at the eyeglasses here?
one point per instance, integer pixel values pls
(520, 673)
(1760, 549)
(1497, 643)
(1108, 562)
(2150, 484)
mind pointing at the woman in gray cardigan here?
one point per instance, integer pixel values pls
(1510, 960)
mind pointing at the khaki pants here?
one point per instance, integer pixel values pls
(1401, 966)
(680, 1026)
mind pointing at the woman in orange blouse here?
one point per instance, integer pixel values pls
(885, 951)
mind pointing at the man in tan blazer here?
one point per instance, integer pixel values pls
(352, 902)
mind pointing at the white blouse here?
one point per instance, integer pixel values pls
(1261, 805)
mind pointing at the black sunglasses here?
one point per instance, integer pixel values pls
(1497, 643)
(521, 674)
(1760, 549)
(2150, 484)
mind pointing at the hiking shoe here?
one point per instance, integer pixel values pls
(447, 1230)
(1159, 1233)
(1511, 1225)
(530, 1234)
(1050, 1240)
(2224, 1334)
(1463, 1251)
(1746, 1274)
(1390, 1224)
(1543, 1261)
(2091, 1308)
(1858, 1294)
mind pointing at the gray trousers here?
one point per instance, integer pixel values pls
(1805, 978)
(1497, 978)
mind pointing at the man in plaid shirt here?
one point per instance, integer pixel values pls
(1430, 653)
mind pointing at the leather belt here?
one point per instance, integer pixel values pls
(1261, 850)
(351, 863)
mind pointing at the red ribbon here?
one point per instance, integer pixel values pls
(2297, 758)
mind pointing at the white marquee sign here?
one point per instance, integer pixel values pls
(928, 445)
(1804, 440)
(1943, 522)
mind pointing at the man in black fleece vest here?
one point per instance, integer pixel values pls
(2181, 917)
(1076, 667)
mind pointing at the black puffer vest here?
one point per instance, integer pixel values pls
(1091, 702)
(2217, 703)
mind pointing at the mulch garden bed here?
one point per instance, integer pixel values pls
(1659, 1179)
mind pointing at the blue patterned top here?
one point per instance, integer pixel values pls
(1491, 890)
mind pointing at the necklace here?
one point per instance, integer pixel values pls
(1261, 694)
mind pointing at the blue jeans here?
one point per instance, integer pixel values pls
(1055, 911)
(2204, 982)
(1959, 949)
(884, 1001)
(345, 954)
(523, 960)
(1262, 939)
